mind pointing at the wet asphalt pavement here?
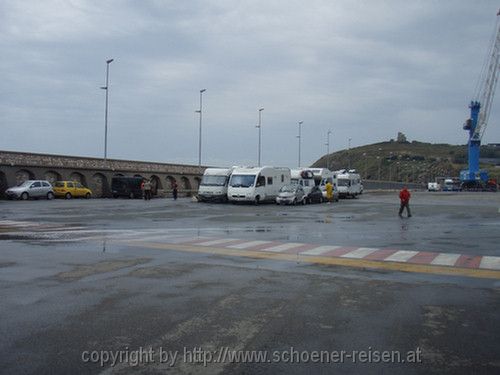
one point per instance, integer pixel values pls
(75, 288)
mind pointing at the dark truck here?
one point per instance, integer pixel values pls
(126, 187)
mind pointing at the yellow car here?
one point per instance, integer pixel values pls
(71, 189)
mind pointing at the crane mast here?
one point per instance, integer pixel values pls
(480, 112)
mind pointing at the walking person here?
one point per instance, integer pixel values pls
(147, 190)
(404, 196)
(174, 190)
(329, 191)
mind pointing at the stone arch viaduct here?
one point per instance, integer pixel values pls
(16, 167)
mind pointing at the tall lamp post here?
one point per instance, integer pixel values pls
(349, 154)
(328, 148)
(106, 111)
(299, 137)
(199, 135)
(260, 131)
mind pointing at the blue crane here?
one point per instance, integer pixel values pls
(473, 177)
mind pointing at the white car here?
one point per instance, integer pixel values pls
(31, 189)
(291, 194)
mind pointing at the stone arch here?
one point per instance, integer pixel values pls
(197, 181)
(3, 184)
(170, 181)
(23, 175)
(99, 185)
(186, 184)
(52, 176)
(155, 184)
(78, 177)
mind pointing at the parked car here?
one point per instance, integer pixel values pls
(126, 187)
(315, 196)
(71, 189)
(291, 194)
(433, 186)
(31, 189)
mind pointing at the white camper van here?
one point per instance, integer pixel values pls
(257, 184)
(321, 177)
(304, 178)
(213, 185)
(349, 183)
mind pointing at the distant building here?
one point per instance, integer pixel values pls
(402, 138)
(493, 145)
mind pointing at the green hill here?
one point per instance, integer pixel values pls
(407, 161)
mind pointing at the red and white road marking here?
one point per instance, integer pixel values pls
(364, 253)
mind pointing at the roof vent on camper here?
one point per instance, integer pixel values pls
(352, 171)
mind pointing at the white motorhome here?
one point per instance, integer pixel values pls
(213, 185)
(304, 178)
(349, 183)
(324, 175)
(257, 184)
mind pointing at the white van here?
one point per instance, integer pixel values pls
(213, 185)
(257, 184)
(304, 178)
(321, 177)
(349, 183)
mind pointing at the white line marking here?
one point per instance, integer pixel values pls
(283, 247)
(359, 253)
(246, 245)
(445, 259)
(216, 242)
(319, 250)
(491, 263)
(401, 256)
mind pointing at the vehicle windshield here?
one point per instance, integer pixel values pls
(213, 180)
(26, 183)
(343, 182)
(289, 189)
(59, 184)
(242, 180)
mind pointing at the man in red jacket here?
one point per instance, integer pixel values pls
(404, 196)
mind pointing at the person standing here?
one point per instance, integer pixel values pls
(174, 190)
(147, 190)
(404, 197)
(329, 191)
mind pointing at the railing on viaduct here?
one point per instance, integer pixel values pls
(16, 167)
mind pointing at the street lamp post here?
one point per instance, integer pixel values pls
(299, 137)
(328, 148)
(260, 131)
(199, 135)
(349, 154)
(106, 111)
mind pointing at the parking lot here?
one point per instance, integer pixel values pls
(80, 279)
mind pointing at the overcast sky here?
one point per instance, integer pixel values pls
(364, 69)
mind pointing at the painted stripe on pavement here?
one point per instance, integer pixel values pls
(319, 250)
(217, 242)
(491, 263)
(246, 245)
(283, 247)
(359, 253)
(445, 259)
(401, 256)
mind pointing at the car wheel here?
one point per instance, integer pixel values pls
(68, 196)
(25, 196)
(87, 196)
(294, 202)
(50, 195)
(257, 200)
